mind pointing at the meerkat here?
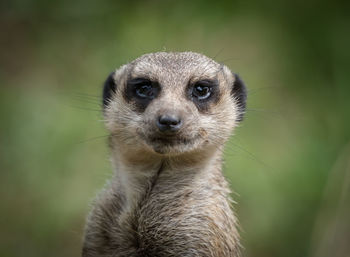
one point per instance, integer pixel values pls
(168, 115)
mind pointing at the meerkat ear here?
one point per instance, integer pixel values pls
(239, 92)
(109, 88)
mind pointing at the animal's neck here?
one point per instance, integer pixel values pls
(137, 174)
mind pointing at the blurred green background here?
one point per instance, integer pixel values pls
(288, 163)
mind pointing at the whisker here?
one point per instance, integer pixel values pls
(83, 108)
(264, 111)
(229, 59)
(87, 95)
(218, 53)
(92, 139)
(250, 154)
(88, 101)
(255, 90)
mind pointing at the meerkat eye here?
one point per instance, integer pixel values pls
(144, 91)
(144, 88)
(202, 90)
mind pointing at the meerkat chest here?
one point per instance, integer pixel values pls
(179, 222)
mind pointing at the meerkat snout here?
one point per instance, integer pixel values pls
(169, 123)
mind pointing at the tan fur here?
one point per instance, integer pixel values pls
(167, 200)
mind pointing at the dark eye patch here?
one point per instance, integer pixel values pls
(109, 88)
(203, 93)
(239, 92)
(141, 91)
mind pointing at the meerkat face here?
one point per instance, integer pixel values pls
(172, 103)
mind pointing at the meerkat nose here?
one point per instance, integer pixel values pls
(169, 123)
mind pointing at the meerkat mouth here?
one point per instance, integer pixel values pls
(171, 143)
(170, 140)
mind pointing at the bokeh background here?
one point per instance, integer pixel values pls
(288, 163)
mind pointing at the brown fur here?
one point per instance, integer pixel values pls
(167, 199)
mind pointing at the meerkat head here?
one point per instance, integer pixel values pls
(172, 103)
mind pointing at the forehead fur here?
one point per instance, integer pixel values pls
(167, 67)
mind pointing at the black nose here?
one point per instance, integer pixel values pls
(169, 123)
